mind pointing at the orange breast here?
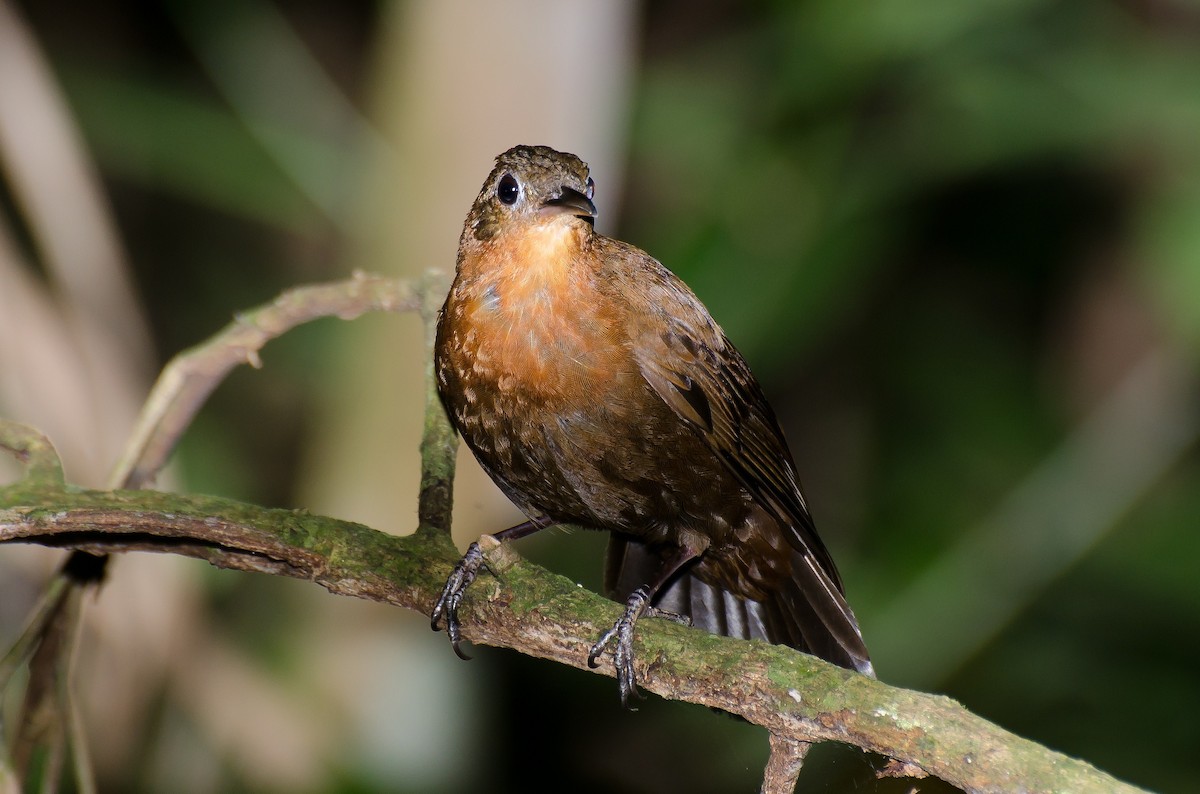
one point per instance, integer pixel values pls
(538, 325)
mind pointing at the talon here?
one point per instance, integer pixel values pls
(458, 651)
(674, 617)
(602, 643)
(446, 607)
(622, 633)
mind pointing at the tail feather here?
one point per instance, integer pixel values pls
(808, 612)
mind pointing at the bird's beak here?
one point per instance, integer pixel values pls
(570, 202)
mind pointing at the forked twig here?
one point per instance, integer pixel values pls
(180, 391)
(190, 377)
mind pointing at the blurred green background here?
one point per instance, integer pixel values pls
(958, 242)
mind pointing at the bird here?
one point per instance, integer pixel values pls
(596, 390)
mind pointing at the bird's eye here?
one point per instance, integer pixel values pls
(508, 190)
(590, 190)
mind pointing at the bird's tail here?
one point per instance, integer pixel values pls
(807, 613)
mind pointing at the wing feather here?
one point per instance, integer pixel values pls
(702, 377)
(689, 364)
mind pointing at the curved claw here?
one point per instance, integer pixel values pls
(622, 633)
(446, 607)
(598, 648)
(458, 651)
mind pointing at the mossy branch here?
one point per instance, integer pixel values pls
(798, 698)
(540, 614)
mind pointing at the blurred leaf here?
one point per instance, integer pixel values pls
(1170, 239)
(169, 139)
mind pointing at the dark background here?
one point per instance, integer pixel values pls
(958, 242)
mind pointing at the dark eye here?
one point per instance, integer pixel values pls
(508, 189)
(590, 190)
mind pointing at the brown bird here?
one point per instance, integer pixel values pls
(596, 389)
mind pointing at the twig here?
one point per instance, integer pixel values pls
(192, 375)
(34, 452)
(784, 764)
(180, 391)
(438, 440)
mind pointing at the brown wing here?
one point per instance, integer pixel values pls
(706, 382)
(698, 373)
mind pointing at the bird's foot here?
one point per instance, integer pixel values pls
(622, 635)
(446, 607)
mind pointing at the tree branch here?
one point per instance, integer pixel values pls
(797, 697)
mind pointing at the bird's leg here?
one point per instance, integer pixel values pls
(446, 607)
(621, 632)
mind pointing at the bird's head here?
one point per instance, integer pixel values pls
(532, 186)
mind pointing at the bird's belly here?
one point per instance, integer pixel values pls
(608, 464)
(523, 382)
(557, 412)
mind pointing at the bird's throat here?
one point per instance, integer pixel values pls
(529, 270)
(546, 255)
(531, 299)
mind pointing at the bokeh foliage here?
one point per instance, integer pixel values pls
(945, 234)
